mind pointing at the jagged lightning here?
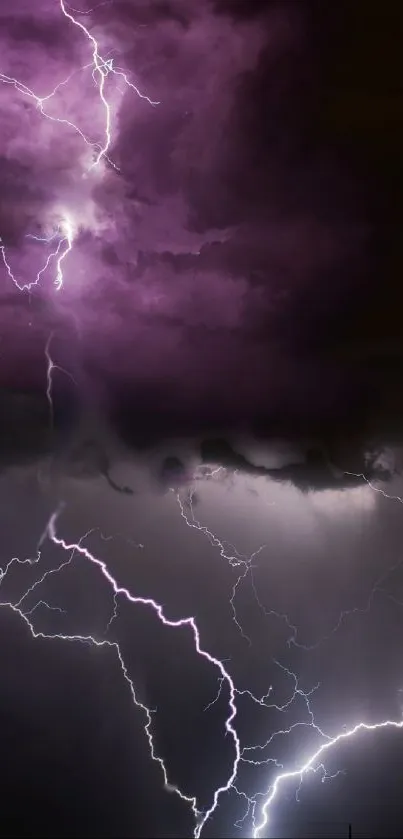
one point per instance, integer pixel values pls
(313, 764)
(51, 366)
(100, 68)
(309, 766)
(65, 235)
(77, 548)
(234, 558)
(377, 587)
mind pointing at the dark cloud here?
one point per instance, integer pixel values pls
(28, 29)
(239, 272)
(24, 427)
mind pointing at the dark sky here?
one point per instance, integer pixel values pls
(200, 388)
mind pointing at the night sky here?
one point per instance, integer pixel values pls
(201, 418)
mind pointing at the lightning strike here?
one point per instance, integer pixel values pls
(374, 488)
(68, 235)
(190, 623)
(101, 68)
(41, 100)
(233, 557)
(65, 234)
(102, 72)
(78, 549)
(377, 587)
(309, 766)
(51, 366)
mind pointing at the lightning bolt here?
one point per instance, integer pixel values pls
(100, 71)
(65, 234)
(189, 623)
(77, 549)
(310, 766)
(101, 68)
(377, 587)
(51, 366)
(232, 555)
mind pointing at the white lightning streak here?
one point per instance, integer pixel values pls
(376, 588)
(374, 488)
(233, 557)
(314, 762)
(64, 246)
(40, 100)
(51, 366)
(298, 774)
(101, 68)
(76, 549)
(176, 624)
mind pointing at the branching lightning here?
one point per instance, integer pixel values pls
(65, 235)
(377, 587)
(260, 804)
(183, 623)
(312, 765)
(101, 68)
(51, 366)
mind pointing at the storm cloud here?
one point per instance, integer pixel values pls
(227, 275)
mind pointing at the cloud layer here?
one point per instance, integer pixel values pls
(224, 269)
